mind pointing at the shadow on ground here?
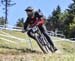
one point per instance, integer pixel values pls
(19, 50)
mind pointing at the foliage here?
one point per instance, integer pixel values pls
(2, 21)
(20, 22)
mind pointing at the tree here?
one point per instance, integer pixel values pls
(2, 21)
(71, 8)
(6, 3)
(69, 23)
(72, 31)
(20, 22)
(55, 19)
(71, 12)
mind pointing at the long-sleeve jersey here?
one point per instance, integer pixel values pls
(32, 21)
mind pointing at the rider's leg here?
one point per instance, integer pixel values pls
(50, 41)
(30, 34)
(44, 31)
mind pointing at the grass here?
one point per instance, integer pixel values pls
(22, 51)
(38, 57)
(18, 44)
(15, 33)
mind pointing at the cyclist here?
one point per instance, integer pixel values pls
(36, 18)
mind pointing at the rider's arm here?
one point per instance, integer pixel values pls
(26, 23)
(41, 21)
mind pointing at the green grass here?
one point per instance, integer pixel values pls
(15, 33)
(22, 50)
(19, 45)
